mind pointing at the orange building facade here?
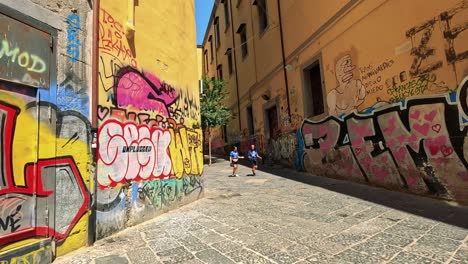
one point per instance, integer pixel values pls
(368, 91)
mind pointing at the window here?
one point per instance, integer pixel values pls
(262, 14)
(243, 37)
(313, 90)
(219, 70)
(272, 119)
(210, 39)
(205, 54)
(250, 120)
(229, 58)
(224, 133)
(226, 13)
(217, 36)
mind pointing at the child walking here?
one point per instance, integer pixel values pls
(234, 160)
(253, 156)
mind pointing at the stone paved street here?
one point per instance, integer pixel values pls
(290, 217)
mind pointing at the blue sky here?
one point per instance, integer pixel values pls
(202, 15)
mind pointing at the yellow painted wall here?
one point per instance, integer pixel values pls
(372, 38)
(163, 45)
(149, 130)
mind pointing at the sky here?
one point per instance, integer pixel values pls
(202, 16)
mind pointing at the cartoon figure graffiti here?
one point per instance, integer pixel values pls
(350, 92)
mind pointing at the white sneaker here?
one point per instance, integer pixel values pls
(237, 175)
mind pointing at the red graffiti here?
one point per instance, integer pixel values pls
(34, 185)
(130, 152)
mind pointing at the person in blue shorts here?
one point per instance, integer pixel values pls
(234, 160)
(253, 156)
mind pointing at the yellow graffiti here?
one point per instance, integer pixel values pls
(186, 156)
(39, 142)
(24, 58)
(36, 256)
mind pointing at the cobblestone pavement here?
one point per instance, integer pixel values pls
(289, 217)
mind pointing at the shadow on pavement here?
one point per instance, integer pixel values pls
(431, 208)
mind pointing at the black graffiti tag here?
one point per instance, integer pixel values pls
(11, 221)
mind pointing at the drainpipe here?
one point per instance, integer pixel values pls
(94, 64)
(94, 102)
(235, 65)
(284, 59)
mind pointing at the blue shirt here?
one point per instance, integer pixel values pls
(253, 154)
(234, 155)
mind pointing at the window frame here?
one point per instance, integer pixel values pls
(230, 62)
(250, 120)
(242, 31)
(227, 19)
(309, 108)
(210, 39)
(263, 19)
(217, 33)
(205, 55)
(219, 71)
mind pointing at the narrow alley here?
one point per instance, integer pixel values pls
(283, 216)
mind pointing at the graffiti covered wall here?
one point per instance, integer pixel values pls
(150, 142)
(396, 112)
(45, 157)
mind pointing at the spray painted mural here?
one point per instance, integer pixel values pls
(417, 144)
(45, 157)
(403, 128)
(45, 192)
(150, 143)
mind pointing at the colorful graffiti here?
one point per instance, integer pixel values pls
(150, 151)
(72, 94)
(143, 91)
(40, 252)
(129, 152)
(163, 193)
(52, 179)
(135, 143)
(416, 144)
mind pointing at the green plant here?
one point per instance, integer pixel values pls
(213, 112)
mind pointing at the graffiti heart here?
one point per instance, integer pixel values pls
(416, 145)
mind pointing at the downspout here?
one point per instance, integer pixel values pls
(94, 64)
(235, 65)
(284, 60)
(92, 227)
